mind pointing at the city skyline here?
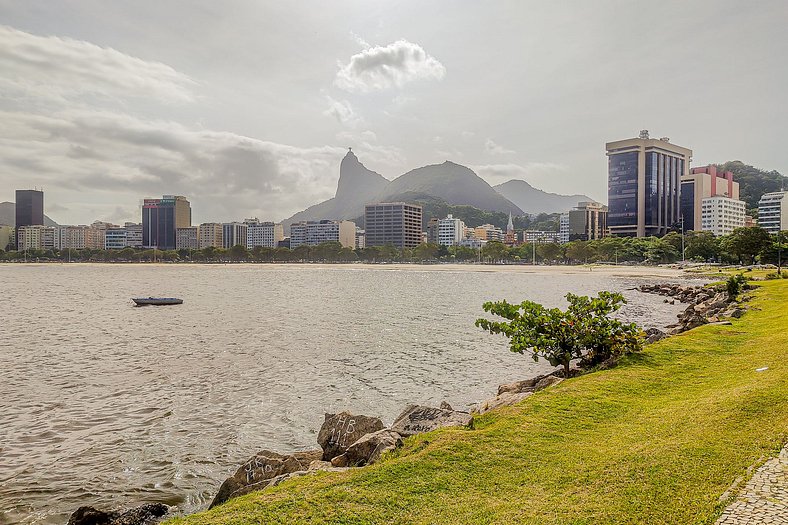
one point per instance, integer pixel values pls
(92, 135)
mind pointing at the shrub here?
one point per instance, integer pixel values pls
(735, 285)
(560, 336)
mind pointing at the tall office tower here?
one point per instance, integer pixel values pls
(160, 219)
(644, 191)
(29, 208)
(395, 223)
(703, 183)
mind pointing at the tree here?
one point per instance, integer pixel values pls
(701, 246)
(425, 252)
(561, 336)
(549, 252)
(746, 243)
(495, 251)
(579, 251)
(239, 253)
(661, 251)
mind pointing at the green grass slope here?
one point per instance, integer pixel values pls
(656, 440)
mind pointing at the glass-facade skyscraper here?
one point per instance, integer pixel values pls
(644, 185)
(161, 218)
(29, 208)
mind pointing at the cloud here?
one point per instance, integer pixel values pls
(383, 67)
(343, 112)
(59, 68)
(537, 173)
(496, 149)
(226, 176)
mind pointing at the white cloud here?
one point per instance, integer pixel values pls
(383, 67)
(52, 67)
(343, 112)
(492, 148)
(226, 176)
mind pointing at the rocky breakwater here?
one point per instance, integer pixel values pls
(706, 304)
(346, 441)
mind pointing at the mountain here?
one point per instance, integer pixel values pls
(534, 201)
(357, 186)
(753, 182)
(8, 215)
(450, 183)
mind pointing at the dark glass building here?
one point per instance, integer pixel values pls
(644, 185)
(395, 223)
(161, 218)
(29, 208)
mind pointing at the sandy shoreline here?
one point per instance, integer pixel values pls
(612, 270)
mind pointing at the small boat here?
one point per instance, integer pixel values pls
(156, 301)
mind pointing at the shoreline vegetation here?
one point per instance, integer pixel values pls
(659, 438)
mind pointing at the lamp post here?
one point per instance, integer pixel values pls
(682, 239)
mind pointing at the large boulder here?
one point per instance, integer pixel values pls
(339, 431)
(547, 382)
(147, 514)
(264, 466)
(502, 400)
(517, 387)
(260, 485)
(416, 419)
(369, 448)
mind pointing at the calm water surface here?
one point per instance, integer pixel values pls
(106, 404)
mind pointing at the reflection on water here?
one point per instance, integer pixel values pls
(106, 404)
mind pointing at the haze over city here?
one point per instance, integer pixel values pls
(249, 108)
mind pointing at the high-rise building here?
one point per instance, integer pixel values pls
(29, 208)
(266, 234)
(79, 238)
(721, 215)
(361, 238)
(644, 190)
(395, 223)
(702, 183)
(541, 237)
(160, 219)
(773, 212)
(563, 228)
(133, 234)
(432, 230)
(312, 233)
(115, 238)
(35, 237)
(210, 235)
(450, 231)
(587, 221)
(486, 232)
(234, 233)
(187, 238)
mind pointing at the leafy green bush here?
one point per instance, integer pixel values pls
(734, 285)
(584, 331)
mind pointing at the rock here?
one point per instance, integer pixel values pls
(340, 461)
(502, 400)
(722, 323)
(737, 313)
(416, 419)
(326, 466)
(147, 514)
(445, 406)
(526, 385)
(655, 334)
(272, 482)
(713, 319)
(339, 431)
(547, 382)
(263, 466)
(369, 448)
(91, 516)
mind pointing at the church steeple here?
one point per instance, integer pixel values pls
(510, 225)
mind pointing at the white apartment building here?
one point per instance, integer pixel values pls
(563, 228)
(35, 238)
(115, 238)
(266, 234)
(79, 238)
(541, 237)
(312, 233)
(187, 238)
(361, 238)
(450, 231)
(721, 215)
(773, 212)
(133, 234)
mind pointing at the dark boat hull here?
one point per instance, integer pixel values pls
(156, 301)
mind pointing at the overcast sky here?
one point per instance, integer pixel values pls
(247, 107)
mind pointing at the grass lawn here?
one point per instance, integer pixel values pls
(656, 440)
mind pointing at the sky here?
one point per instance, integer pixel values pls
(247, 107)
